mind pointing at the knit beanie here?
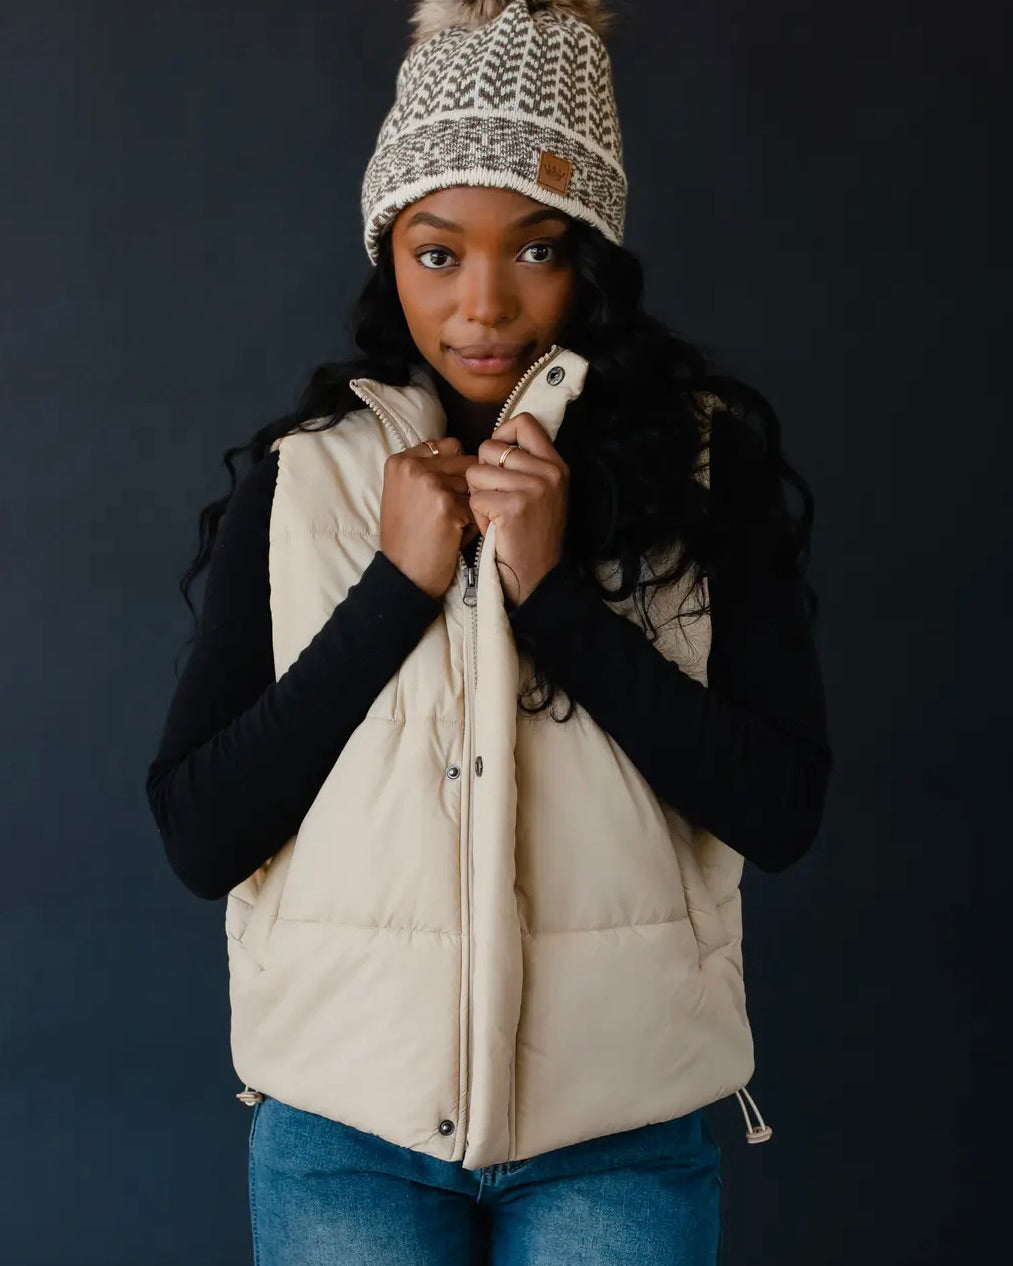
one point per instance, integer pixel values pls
(512, 94)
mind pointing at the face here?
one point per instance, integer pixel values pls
(485, 282)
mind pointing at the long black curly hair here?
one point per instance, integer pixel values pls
(634, 486)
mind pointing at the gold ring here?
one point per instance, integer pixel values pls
(432, 448)
(506, 453)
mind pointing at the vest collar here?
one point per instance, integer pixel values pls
(415, 411)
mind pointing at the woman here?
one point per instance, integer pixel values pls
(485, 950)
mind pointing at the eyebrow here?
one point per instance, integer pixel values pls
(533, 217)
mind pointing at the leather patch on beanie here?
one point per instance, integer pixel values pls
(554, 172)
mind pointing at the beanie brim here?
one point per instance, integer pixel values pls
(416, 164)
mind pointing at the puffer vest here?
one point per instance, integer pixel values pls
(488, 937)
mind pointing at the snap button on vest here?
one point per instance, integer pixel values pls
(453, 771)
(446, 1127)
(555, 375)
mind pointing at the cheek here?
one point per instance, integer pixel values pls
(412, 297)
(421, 302)
(553, 298)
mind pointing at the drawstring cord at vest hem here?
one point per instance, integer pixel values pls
(754, 1133)
(249, 1097)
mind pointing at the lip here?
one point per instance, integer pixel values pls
(490, 358)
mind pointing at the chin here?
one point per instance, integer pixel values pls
(485, 389)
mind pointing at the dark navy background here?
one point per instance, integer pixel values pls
(818, 193)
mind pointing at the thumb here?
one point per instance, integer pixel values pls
(481, 520)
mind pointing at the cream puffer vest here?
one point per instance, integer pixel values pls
(488, 937)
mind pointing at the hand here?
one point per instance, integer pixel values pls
(527, 498)
(425, 514)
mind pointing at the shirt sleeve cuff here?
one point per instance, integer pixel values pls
(385, 587)
(560, 597)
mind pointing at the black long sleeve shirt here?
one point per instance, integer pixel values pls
(242, 756)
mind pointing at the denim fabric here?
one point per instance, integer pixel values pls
(325, 1194)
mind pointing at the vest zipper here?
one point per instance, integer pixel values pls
(470, 599)
(471, 573)
(523, 381)
(368, 398)
(469, 705)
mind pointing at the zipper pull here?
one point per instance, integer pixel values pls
(470, 589)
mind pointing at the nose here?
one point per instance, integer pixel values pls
(485, 296)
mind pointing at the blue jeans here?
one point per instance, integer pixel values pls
(325, 1194)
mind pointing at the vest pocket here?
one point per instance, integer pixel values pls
(237, 917)
(247, 923)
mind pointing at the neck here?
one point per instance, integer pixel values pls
(469, 421)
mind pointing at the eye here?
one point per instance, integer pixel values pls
(433, 250)
(543, 246)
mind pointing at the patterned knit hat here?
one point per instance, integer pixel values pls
(513, 94)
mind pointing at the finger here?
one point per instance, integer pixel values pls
(526, 430)
(528, 433)
(487, 505)
(463, 505)
(457, 463)
(491, 475)
(481, 519)
(491, 452)
(446, 446)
